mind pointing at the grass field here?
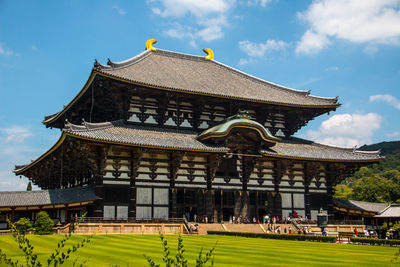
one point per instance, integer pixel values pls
(128, 250)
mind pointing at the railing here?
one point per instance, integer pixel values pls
(347, 222)
(125, 220)
(295, 225)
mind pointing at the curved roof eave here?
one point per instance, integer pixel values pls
(52, 118)
(320, 159)
(48, 152)
(64, 135)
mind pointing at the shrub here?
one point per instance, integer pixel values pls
(23, 225)
(317, 238)
(375, 241)
(44, 225)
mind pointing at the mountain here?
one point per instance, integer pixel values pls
(386, 148)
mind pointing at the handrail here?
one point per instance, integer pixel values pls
(125, 220)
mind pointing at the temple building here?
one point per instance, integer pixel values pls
(166, 134)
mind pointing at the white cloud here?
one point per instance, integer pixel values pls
(258, 50)
(262, 3)
(347, 130)
(209, 17)
(5, 51)
(119, 10)
(179, 8)
(391, 100)
(312, 42)
(360, 21)
(15, 134)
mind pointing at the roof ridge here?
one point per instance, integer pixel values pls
(305, 93)
(350, 149)
(122, 64)
(87, 126)
(137, 58)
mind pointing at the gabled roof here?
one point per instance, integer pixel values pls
(172, 71)
(360, 205)
(120, 133)
(392, 211)
(194, 74)
(297, 148)
(47, 197)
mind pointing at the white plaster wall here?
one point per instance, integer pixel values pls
(143, 196)
(143, 213)
(298, 201)
(286, 200)
(160, 196)
(160, 212)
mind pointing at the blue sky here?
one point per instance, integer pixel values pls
(344, 48)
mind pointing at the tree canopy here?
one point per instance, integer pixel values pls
(379, 182)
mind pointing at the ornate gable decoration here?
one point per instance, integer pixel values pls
(237, 128)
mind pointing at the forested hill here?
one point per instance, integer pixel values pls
(386, 148)
(379, 182)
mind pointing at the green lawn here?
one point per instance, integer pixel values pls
(127, 250)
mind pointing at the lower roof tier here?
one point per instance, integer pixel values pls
(45, 198)
(120, 133)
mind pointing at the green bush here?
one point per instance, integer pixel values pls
(316, 238)
(23, 225)
(375, 241)
(44, 225)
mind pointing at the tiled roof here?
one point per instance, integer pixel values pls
(360, 205)
(304, 149)
(391, 211)
(122, 133)
(47, 197)
(188, 73)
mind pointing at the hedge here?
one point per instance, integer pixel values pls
(316, 238)
(375, 241)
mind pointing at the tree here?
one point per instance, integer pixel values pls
(29, 187)
(23, 225)
(44, 225)
(372, 189)
(343, 191)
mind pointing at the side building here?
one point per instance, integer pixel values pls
(166, 134)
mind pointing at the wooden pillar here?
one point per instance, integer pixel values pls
(12, 214)
(66, 214)
(329, 190)
(210, 205)
(310, 170)
(279, 171)
(173, 197)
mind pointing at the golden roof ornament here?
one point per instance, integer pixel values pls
(209, 52)
(149, 44)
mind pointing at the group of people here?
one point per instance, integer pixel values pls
(288, 230)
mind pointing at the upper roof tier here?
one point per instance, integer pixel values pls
(174, 71)
(168, 71)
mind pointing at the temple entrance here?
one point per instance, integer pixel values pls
(227, 213)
